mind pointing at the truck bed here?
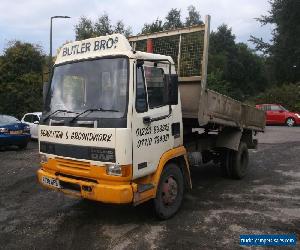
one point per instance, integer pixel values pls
(208, 106)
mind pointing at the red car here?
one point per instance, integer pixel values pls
(276, 114)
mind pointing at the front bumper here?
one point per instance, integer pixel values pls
(114, 193)
(9, 140)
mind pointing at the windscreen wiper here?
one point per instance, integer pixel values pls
(93, 110)
(58, 111)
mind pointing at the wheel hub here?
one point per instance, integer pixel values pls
(169, 191)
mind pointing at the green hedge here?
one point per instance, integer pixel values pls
(288, 95)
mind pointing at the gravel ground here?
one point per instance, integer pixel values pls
(213, 215)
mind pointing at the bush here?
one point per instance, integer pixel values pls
(288, 95)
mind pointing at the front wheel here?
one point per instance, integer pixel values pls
(290, 122)
(169, 192)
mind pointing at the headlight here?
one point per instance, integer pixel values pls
(43, 158)
(297, 115)
(3, 130)
(119, 170)
(114, 169)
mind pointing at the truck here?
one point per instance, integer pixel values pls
(124, 120)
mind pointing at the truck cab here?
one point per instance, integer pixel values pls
(111, 121)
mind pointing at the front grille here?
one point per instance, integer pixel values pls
(76, 177)
(73, 165)
(70, 186)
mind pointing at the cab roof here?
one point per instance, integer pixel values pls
(103, 46)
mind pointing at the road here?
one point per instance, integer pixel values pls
(213, 215)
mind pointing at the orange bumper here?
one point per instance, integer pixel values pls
(106, 193)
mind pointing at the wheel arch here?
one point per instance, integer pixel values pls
(179, 157)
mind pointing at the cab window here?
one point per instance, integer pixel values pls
(141, 96)
(156, 88)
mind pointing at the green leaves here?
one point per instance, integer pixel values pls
(102, 27)
(284, 50)
(21, 70)
(233, 69)
(287, 94)
(173, 21)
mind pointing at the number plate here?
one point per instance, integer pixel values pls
(16, 132)
(51, 182)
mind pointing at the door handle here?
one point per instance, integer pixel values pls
(146, 120)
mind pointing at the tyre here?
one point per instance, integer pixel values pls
(23, 146)
(290, 122)
(225, 162)
(169, 192)
(239, 162)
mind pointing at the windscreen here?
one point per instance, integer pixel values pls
(6, 119)
(93, 84)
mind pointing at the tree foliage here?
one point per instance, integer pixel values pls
(193, 17)
(103, 26)
(233, 68)
(173, 21)
(156, 26)
(287, 94)
(284, 51)
(21, 73)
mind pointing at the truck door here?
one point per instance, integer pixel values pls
(151, 138)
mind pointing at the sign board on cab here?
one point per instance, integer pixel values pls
(93, 47)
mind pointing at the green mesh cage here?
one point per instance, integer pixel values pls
(190, 49)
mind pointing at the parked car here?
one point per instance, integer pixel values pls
(13, 132)
(32, 120)
(276, 114)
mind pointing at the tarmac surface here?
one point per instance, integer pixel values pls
(213, 214)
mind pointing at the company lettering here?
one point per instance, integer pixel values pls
(52, 134)
(86, 47)
(75, 135)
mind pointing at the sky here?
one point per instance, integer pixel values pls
(29, 20)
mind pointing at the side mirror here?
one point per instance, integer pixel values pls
(45, 90)
(172, 89)
(36, 122)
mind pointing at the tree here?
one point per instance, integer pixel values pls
(284, 51)
(84, 29)
(156, 26)
(233, 68)
(194, 17)
(21, 72)
(102, 27)
(173, 20)
(120, 28)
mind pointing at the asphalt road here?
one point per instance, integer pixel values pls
(213, 215)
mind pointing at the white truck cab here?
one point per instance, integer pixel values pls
(109, 121)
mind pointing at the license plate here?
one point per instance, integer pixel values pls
(16, 132)
(51, 182)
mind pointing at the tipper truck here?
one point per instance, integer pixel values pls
(125, 119)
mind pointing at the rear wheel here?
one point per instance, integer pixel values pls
(225, 161)
(169, 192)
(290, 122)
(239, 162)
